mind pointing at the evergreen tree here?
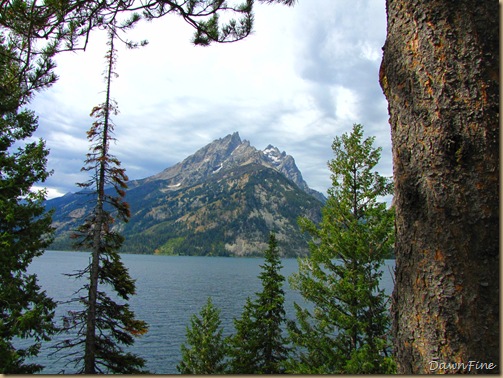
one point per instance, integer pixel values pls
(346, 332)
(104, 324)
(207, 349)
(26, 313)
(67, 25)
(270, 313)
(244, 342)
(258, 346)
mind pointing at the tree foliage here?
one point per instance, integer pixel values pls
(259, 346)
(26, 313)
(31, 33)
(53, 25)
(206, 349)
(346, 332)
(103, 325)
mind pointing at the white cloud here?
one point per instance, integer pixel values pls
(305, 76)
(346, 101)
(50, 192)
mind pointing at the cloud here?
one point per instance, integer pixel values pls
(305, 76)
(339, 54)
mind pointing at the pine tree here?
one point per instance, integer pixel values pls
(104, 324)
(258, 346)
(346, 332)
(67, 25)
(270, 313)
(243, 343)
(26, 313)
(207, 349)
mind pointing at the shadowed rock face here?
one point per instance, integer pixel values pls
(222, 200)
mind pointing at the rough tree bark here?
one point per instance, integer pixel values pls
(440, 74)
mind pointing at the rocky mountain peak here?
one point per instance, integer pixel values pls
(222, 200)
(225, 145)
(286, 165)
(223, 155)
(274, 155)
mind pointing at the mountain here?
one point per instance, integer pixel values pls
(222, 200)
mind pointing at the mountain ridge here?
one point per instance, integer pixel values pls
(227, 153)
(222, 200)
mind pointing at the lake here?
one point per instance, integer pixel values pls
(169, 290)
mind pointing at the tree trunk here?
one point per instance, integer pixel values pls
(440, 74)
(99, 225)
(90, 341)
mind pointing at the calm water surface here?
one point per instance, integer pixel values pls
(169, 290)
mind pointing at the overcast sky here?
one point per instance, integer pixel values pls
(305, 76)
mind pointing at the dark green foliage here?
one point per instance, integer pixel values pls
(270, 313)
(25, 228)
(244, 343)
(103, 325)
(206, 349)
(53, 25)
(258, 346)
(346, 333)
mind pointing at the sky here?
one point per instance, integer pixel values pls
(305, 76)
